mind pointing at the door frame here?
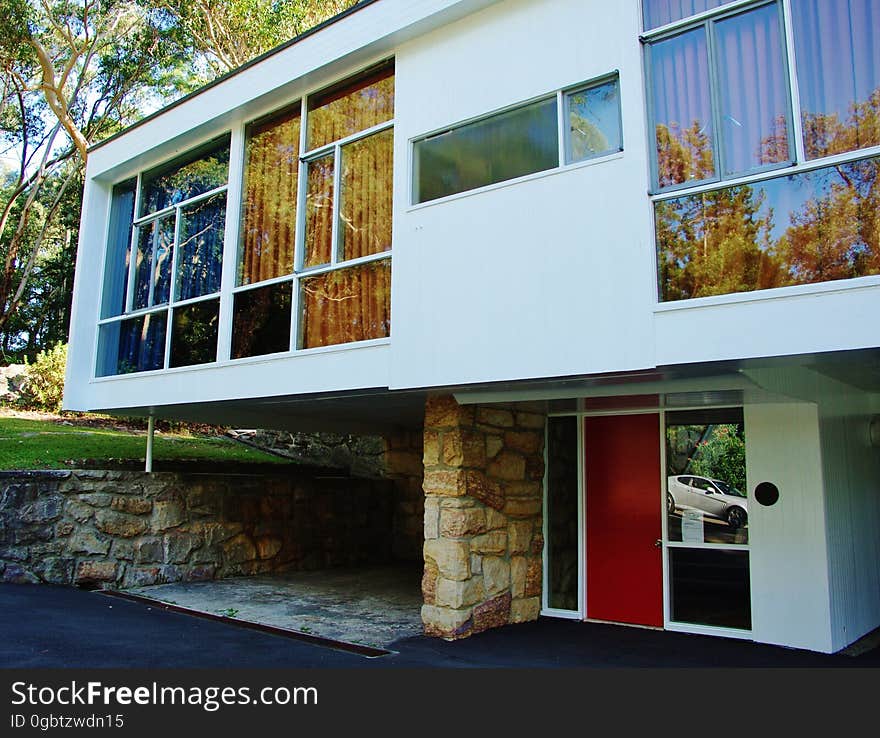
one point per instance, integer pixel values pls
(583, 584)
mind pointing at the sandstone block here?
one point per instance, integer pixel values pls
(199, 573)
(131, 505)
(493, 542)
(268, 547)
(525, 610)
(429, 583)
(534, 576)
(530, 420)
(492, 614)
(178, 546)
(443, 482)
(526, 442)
(18, 574)
(452, 558)
(238, 550)
(495, 519)
(79, 511)
(456, 523)
(519, 536)
(522, 508)
(431, 453)
(458, 595)
(447, 623)
(462, 447)
(55, 570)
(119, 524)
(149, 550)
(166, 514)
(407, 463)
(96, 499)
(95, 572)
(508, 466)
(518, 568)
(122, 549)
(87, 541)
(64, 528)
(495, 416)
(487, 491)
(476, 564)
(494, 444)
(444, 412)
(496, 575)
(140, 576)
(432, 518)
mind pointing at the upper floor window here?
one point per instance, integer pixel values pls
(160, 304)
(519, 141)
(723, 93)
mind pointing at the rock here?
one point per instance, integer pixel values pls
(457, 595)
(452, 558)
(43, 510)
(79, 511)
(497, 417)
(268, 547)
(447, 623)
(485, 490)
(455, 523)
(199, 573)
(464, 448)
(119, 524)
(443, 482)
(149, 551)
(507, 465)
(522, 508)
(56, 570)
(166, 514)
(534, 577)
(178, 546)
(526, 442)
(530, 420)
(525, 610)
(494, 542)
(18, 574)
(87, 541)
(519, 536)
(518, 568)
(444, 412)
(496, 574)
(122, 549)
(493, 445)
(95, 499)
(95, 571)
(431, 452)
(131, 505)
(429, 584)
(238, 550)
(492, 614)
(140, 576)
(432, 518)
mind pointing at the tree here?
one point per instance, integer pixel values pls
(224, 34)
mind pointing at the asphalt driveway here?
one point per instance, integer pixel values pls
(60, 627)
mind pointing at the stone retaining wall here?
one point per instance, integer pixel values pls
(484, 467)
(124, 529)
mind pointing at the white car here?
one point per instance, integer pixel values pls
(715, 498)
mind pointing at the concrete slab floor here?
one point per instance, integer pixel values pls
(367, 606)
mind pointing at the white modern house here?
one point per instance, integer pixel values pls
(604, 255)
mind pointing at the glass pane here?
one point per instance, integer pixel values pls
(710, 587)
(800, 229)
(366, 196)
(752, 90)
(269, 212)
(200, 251)
(706, 477)
(353, 106)
(196, 172)
(660, 12)
(682, 109)
(261, 321)
(152, 277)
(495, 149)
(319, 212)
(194, 333)
(346, 305)
(837, 43)
(134, 345)
(594, 121)
(562, 513)
(118, 250)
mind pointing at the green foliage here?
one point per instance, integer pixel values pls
(44, 385)
(722, 455)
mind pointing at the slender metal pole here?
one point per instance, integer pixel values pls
(151, 427)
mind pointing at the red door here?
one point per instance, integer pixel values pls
(622, 482)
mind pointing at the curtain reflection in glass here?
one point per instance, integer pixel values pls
(270, 191)
(199, 171)
(118, 250)
(752, 90)
(261, 321)
(318, 245)
(495, 149)
(837, 43)
(200, 251)
(682, 109)
(660, 12)
(352, 304)
(194, 333)
(152, 277)
(351, 107)
(366, 196)
(813, 227)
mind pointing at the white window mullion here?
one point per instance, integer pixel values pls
(172, 286)
(230, 241)
(337, 199)
(562, 129)
(132, 254)
(788, 26)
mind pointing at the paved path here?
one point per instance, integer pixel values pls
(44, 626)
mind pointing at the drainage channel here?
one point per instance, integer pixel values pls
(369, 652)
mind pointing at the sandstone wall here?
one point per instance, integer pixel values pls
(124, 529)
(404, 467)
(484, 467)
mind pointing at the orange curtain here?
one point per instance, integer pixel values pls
(347, 305)
(269, 210)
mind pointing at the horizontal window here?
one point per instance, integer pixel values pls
(132, 345)
(194, 333)
(518, 142)
(261, 323)
(197, 172)
(816, 226)
(660, 12)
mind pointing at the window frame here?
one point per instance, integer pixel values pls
(564, 160)
(707, 20)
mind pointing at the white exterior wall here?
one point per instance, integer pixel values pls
(787, 541)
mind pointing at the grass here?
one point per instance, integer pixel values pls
(29, 443)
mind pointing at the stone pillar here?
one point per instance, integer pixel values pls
(484, 467)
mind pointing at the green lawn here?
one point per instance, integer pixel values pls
(44, 444)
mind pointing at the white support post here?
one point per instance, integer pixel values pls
(151, 427)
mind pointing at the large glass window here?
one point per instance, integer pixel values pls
(720, 98)
(520, 141)
(169, 258)
(317, 221)
(720, 90)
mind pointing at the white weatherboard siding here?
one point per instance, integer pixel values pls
(532, 278)
(788, 552)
